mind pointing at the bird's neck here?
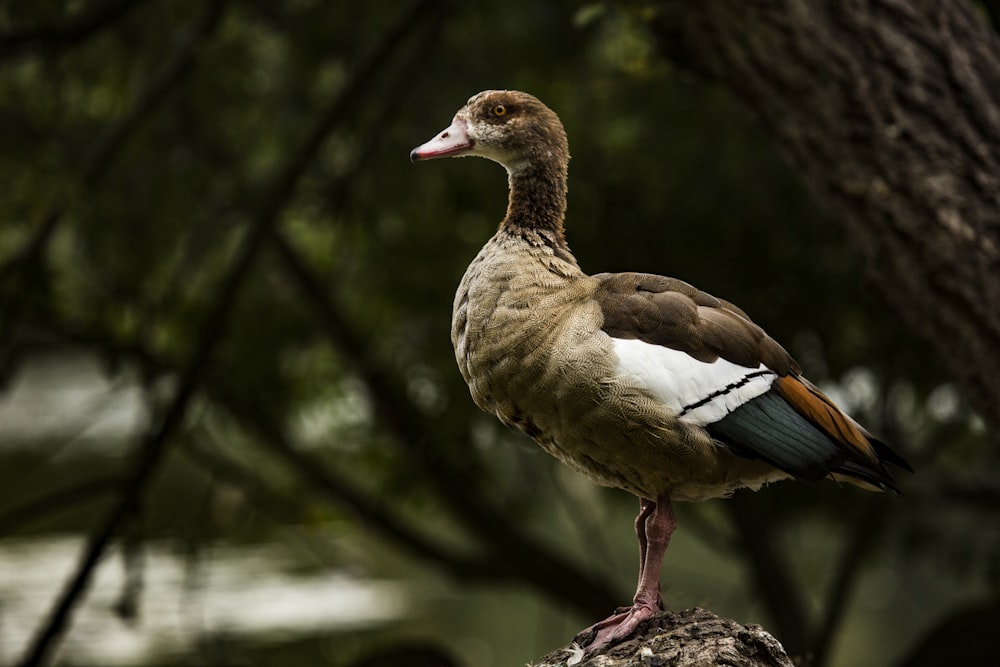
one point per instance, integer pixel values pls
(537, 200)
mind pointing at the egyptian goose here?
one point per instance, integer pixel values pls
(641, 382)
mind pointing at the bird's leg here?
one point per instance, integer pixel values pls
(646, 507)
(659, 524)
(654, 526)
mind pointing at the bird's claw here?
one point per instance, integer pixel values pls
(617, 627)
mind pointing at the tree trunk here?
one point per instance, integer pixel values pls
(890, 109)
(690, 638)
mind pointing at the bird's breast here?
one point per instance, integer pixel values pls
(519, 313)
(528, 342)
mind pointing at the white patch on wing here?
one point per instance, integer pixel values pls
(701, 393)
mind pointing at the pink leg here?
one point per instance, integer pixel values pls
(646, 507)
(654, 526)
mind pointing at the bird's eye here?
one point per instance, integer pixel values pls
(499, 110)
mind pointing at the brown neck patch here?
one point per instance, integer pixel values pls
(537, 201)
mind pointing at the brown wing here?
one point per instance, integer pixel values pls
(793, 426)
(672, 313)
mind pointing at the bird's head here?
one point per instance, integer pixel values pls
(506, 126)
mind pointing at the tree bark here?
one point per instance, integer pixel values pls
(689, 638)
(890, 109)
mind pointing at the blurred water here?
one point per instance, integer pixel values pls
(246, 592)
(67, 405)
(69, 396)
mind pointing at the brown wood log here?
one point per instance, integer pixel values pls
(689, 638)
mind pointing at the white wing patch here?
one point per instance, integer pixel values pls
(701, 393)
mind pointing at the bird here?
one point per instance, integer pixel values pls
(639, 381)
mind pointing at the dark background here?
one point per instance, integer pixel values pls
(226, 297)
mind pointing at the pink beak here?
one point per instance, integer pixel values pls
(452, 142)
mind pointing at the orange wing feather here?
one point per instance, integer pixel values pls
(812, 404)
